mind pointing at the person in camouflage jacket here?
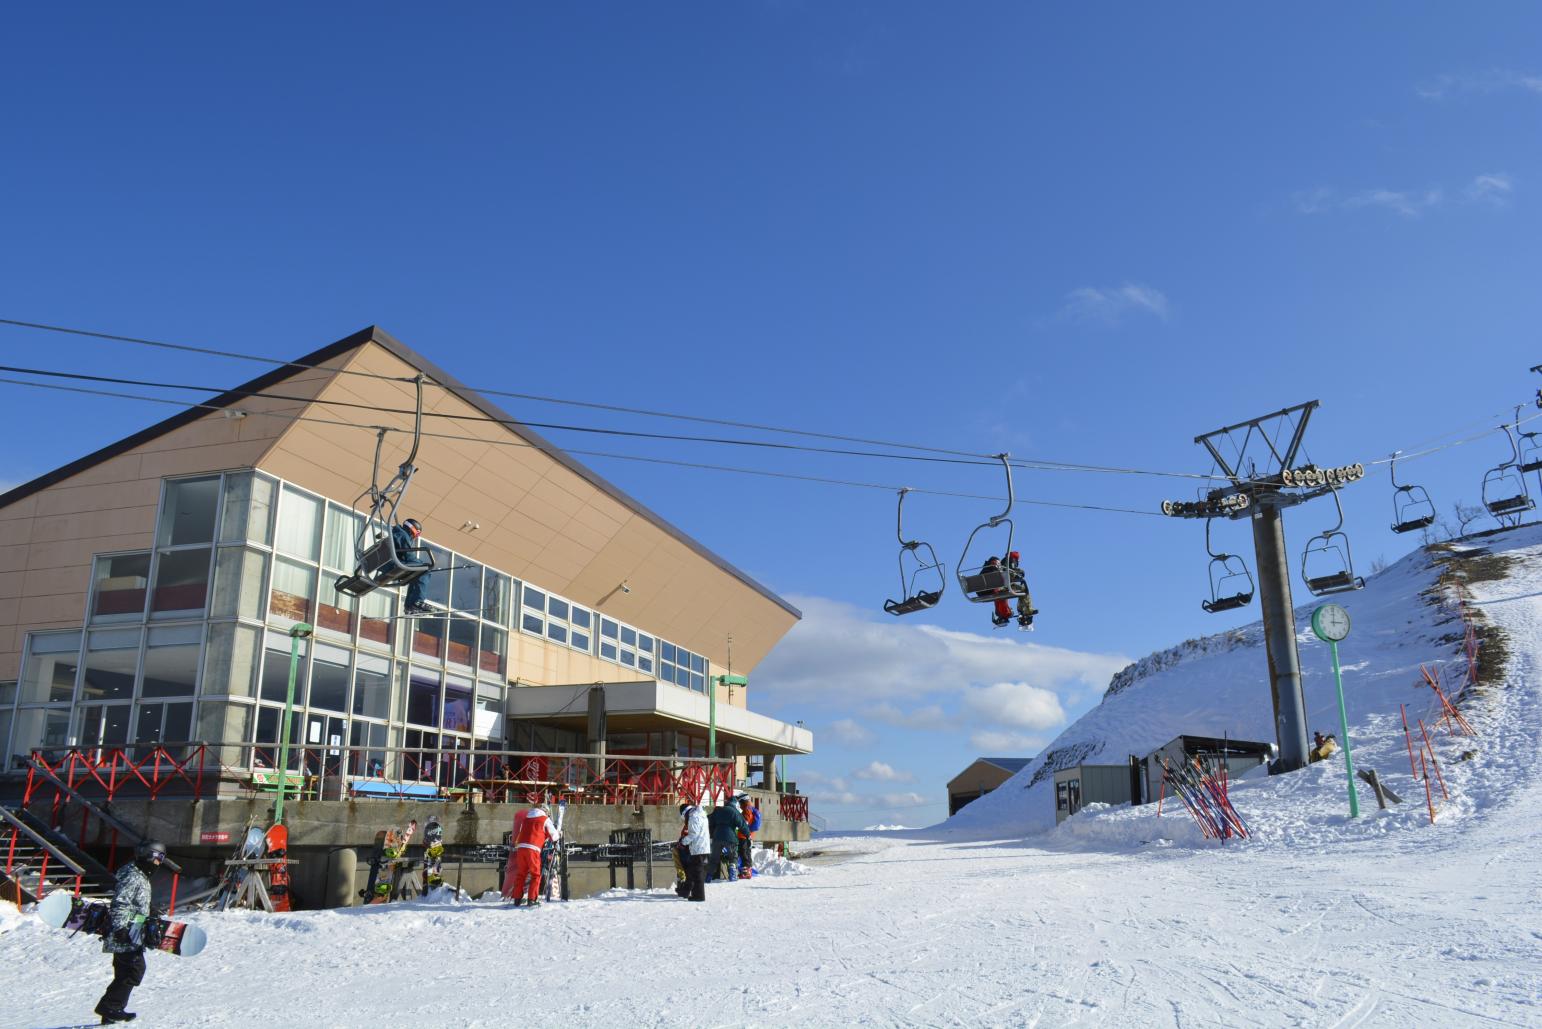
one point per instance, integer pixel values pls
(125, 936)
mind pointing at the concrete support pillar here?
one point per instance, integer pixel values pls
(1280, 636)
(341, 865)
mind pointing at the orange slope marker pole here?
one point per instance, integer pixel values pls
(1409, 740)
(1429, 680)
(1428, 797)
(1434, 762)
(1162, 793)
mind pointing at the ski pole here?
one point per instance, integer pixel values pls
(1441, 778)
(1428, 797)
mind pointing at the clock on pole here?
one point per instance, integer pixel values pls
(1331, 624)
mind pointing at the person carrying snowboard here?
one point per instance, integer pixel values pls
(522, 879)
(694, 848)
(125, 936)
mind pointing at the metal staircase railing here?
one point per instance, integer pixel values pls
(27, 856)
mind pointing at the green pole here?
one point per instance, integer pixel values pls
(297, 632)
(1349, 764)
(712, 686)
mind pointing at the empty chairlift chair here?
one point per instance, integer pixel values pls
(1231, 584)
(1411, 506)
(922, 566)
(379, 565)
(1326, 564)
(1504, 488)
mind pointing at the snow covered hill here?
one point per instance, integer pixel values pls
(1119, 917)
(1409, 615)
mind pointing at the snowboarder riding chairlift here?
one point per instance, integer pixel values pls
(1018, 587)
(406, 538)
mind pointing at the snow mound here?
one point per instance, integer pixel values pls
(769, 862)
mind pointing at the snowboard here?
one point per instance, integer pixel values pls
(277, 843)
(552, 855)
(433, 854)
(376, 857)
(390, 852)
(62, 911)
(251, 846)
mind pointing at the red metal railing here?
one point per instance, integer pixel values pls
(794, 808)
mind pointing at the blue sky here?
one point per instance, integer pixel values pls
(1084, 234)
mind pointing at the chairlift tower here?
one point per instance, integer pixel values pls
(1265, 480)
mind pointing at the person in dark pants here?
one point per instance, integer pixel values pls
(694, 846)
(725, 823)
(407, 538)
(125, 937)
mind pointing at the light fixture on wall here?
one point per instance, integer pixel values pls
(624, 587)
(469, 526)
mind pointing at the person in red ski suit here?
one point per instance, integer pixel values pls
(522, 878)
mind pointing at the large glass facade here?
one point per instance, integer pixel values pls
(189, 640)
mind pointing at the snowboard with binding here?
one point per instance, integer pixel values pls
(61, 910)
(277, 844)
(433, 854)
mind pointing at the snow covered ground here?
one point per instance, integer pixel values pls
(1117, 918)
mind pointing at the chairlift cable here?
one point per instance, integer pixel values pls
(889, 488)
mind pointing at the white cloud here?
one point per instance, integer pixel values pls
(994, 743)
(1407, 203)
(1016, 705)
(931, 716)
(904, 800)
(877, 771)
(1494, 81)
(851, 733)
(1493, 189)
(1110, 305)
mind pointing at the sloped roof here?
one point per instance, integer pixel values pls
(378, 336)
(1007, 764)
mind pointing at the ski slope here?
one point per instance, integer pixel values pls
(1117, 918)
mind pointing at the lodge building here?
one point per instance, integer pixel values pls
(148, 594)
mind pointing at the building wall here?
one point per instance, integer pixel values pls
(47, 539)
(976, 780)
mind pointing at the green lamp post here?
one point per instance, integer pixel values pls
(718, 680)
(297, 632)
(1331, 624)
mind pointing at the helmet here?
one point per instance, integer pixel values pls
(150, 852)
(412, 526)
(1014, 555)
(684, 808)
(744, 798)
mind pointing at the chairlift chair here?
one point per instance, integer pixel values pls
(1231, 584)
(379, 564)
(986, 583)
(1504, 487)
(1411, 506)
(923, 565)
(1331, 547)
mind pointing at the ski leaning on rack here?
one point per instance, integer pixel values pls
(62, 911)
(251, 846)
(554, 855)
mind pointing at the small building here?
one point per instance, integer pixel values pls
(1080, 785)
(980, 778)
(1239, 756)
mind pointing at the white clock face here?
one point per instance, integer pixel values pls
(1331, 622)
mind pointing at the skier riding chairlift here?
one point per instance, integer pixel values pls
(998, 582)
(382, 562)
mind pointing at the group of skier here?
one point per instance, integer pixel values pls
(715, 846)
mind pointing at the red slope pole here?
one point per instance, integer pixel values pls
(1409, 740)
(1441, 778)
(1428, 797)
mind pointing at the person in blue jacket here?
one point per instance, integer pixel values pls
(407, 538)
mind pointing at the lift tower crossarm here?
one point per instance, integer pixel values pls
(1284, 460)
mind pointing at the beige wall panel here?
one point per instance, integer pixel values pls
(53, 581)
(13, 558)
(977, 777)
(566, 556)
(62, 499)
(588, 538)
(10, 609)
(10, 663)
(525, 537)
(77, 553)
(118, 469)
(10, 584)
(95, 524)
(66, 609)
(24, 508)
(201, 459)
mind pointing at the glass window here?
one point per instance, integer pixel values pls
(372, 687)
(463, 641)
(628, 636)
(457, 704)
(230, 660)
(422, 697)
(112, 659)
(608, 628)
(299, 525)
(171, 663)
(497, 590)
(164, 723)
(294, 585)
(187, 512)
(340, 550)
(645, 643)
(49, 676)
(181, 583)
(667, 653)
(628, 658)
(556, 632)
(371, 761)
(239, 576)
(376, 624)
(428, 637)
(466, 588)
(104, 725)
(248, 511)
(275, 670)
(120, 586)
(492, 658)
(531, 623)
(329, 679)
(335, 612)
(265, 754)
(557, 608)
(608, 651)
(46, 727)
